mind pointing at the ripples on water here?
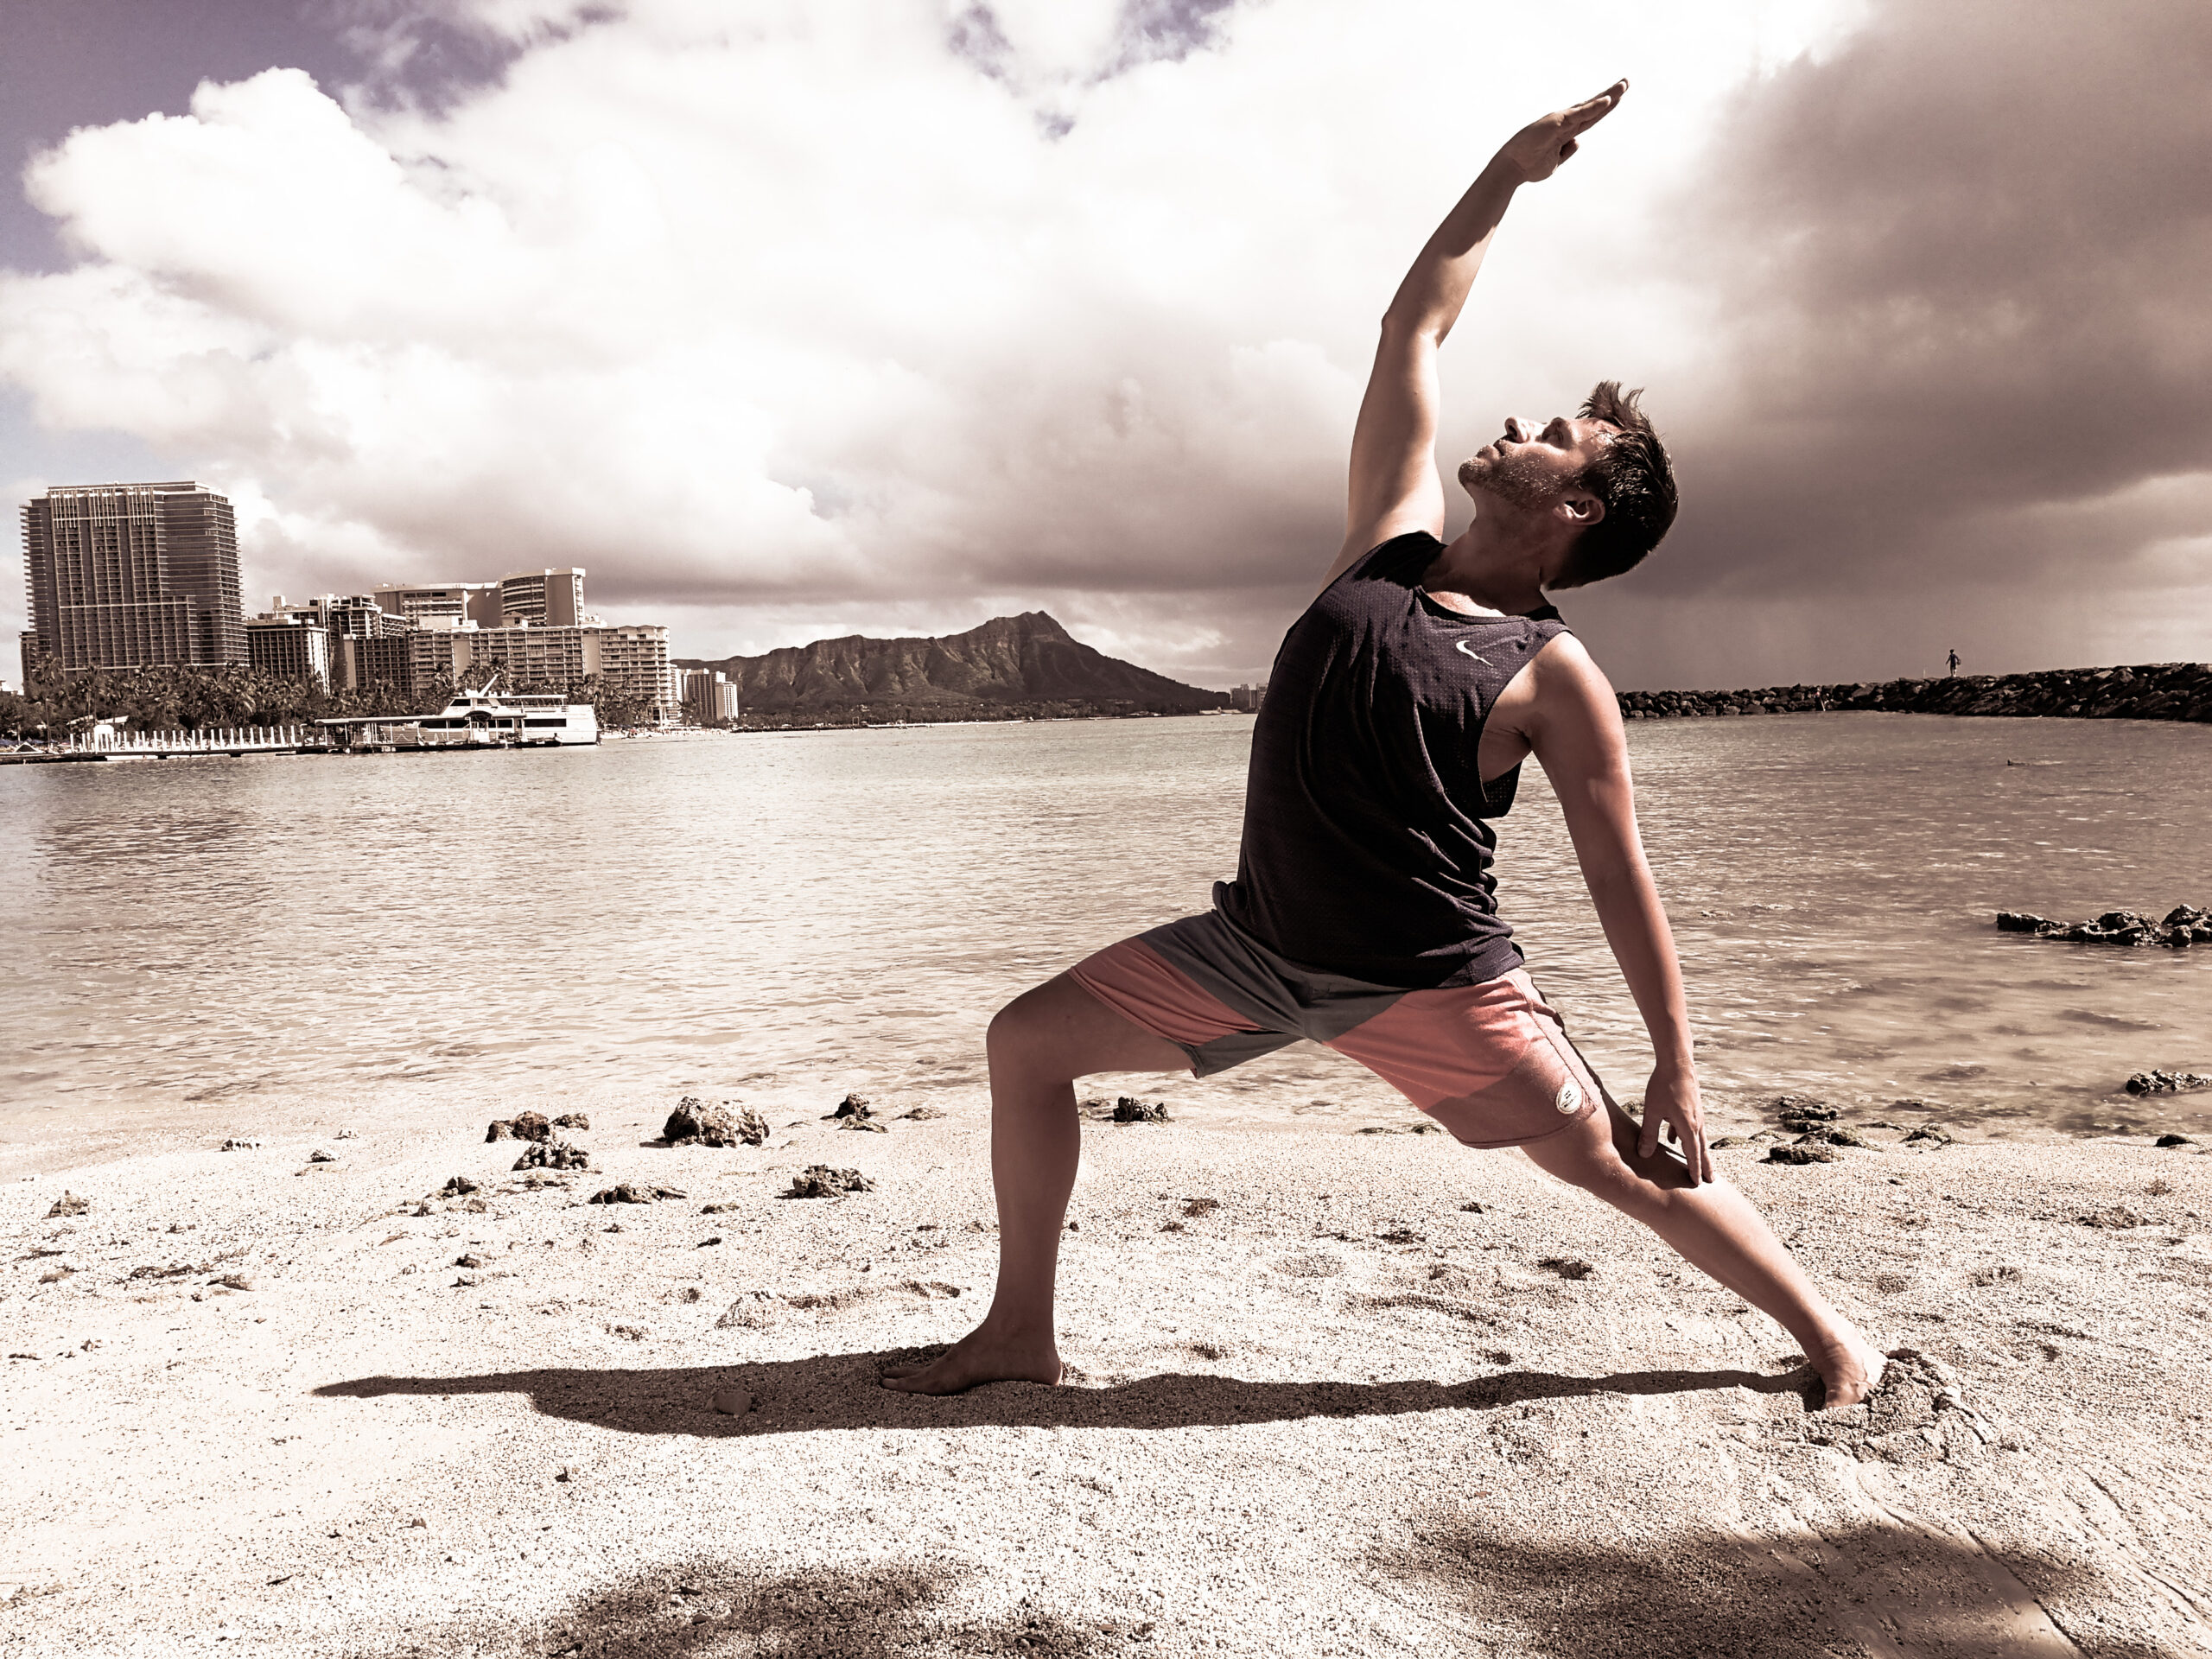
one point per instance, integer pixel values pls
(851, 906)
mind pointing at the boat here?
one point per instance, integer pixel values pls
(471, 719)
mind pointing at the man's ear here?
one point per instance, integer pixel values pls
(1580, 508)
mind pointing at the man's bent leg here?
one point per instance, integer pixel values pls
(1038, 1043)
(1712, 1226)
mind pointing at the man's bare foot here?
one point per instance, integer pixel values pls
(1851, 1369)
(980, 1357)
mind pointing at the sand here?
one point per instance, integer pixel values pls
(1381, 1396)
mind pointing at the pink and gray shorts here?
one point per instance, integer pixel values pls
(1491, 1062)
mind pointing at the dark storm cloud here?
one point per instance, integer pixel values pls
(1958, 270)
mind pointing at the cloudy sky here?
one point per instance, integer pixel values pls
(789, 318)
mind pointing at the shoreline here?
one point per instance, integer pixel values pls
(1380, 1396)
(2170, 692)
(51, 1140)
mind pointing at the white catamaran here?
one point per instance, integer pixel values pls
(473, 719)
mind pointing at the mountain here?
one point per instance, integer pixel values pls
(1010, 665)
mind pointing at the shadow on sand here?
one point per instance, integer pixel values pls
(841, 1391)
(1693, 1594)
(709, 1608)
(1909, 1593)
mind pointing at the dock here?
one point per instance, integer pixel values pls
(233, 742)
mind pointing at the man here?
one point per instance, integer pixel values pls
(1362, 916)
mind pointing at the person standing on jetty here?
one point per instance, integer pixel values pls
(1362, 915)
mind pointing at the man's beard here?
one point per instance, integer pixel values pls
(1515, 477)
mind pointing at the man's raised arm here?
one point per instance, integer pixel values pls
(1394, 485)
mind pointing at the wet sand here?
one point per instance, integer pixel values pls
(1381, 1396)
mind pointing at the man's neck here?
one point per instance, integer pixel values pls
(1479, 574)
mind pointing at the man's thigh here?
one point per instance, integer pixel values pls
(1489, 1061)
(1059, 1032)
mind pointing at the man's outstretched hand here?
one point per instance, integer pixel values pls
(1536, 150)
(1672, 1102)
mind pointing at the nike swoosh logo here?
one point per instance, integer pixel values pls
(1485, 661)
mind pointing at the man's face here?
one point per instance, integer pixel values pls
(1532, 467)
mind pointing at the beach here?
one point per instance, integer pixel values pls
(1334, 1392)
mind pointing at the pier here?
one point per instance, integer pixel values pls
(104, 742)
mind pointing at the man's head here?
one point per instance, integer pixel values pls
(1599, 485)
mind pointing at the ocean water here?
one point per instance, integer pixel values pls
(847, 908)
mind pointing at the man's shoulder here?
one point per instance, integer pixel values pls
(1563, 683)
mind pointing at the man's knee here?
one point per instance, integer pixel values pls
(1662, 1172)
(1018, 1034)
(1601, 1157)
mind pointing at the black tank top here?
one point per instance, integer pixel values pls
(1367, 841)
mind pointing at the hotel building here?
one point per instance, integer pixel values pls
(445, 607)
(631, 659)
(291, 646)
(531, 627)
(547, 599)
(708, 697)
(131, 576)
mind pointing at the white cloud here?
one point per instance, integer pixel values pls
(780, 311)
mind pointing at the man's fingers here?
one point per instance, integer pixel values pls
(1698, 1155)
(1594, 109)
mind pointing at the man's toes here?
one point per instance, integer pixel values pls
(926, 1381)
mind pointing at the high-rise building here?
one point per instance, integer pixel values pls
(545, 598)
(357, 634)
(382, 659)
(292, 646)
(355, 616)
(635, 659)
(131, 576)
(708, 697)
(632, 660)
(446, 605)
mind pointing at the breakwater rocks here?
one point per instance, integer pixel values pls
(2183, 925)
(2148, 691)
(2155, 1082)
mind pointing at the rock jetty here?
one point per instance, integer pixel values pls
(2181, 926)
(2147, 691)
(2155, 1082)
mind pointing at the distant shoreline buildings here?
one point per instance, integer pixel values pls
(139, 576)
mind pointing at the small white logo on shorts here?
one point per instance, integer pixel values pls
(1485, 661)
(1570, 1095)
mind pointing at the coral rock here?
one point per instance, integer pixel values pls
(1801, 1154)
(554, 1154)
(696, 1122)
(820, 1181)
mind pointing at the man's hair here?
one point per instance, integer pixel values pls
(1632, 476)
